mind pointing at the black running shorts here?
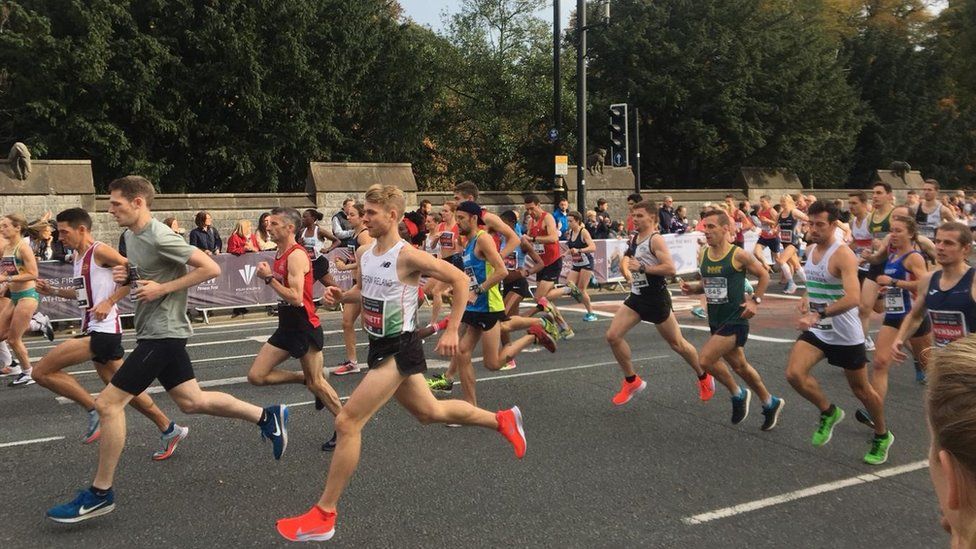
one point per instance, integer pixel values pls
(550, 272)
(162, 359)
(520, 286)
(298, 342)
(482, 321)
(652, 305)
(771, 243)
(848, 357)
(320, 268)
(923, 329)
(874, 271)
(739, 331)
(407, 351)
(104, 347)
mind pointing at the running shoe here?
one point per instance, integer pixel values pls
(699, 312)
(329, 445)
(550, 327)
(826, 429)
(920, 377)
(706, 388)
(590, 317)
(439, 383)
(790, 287)
(740, 406)
(510, 365)
(275, 428)
(542, 337)
(771, 414)
(862, 416)
(12, 370)
(565, 331)
(171, 441)
(868, 344)
(94, 428)
(23, 380)
(86, 505)
(347, 367)
(510, 426)
(46, 326)
(878, 453)
(575, 292)
(315, 525)
(748, 286)
(628, 390)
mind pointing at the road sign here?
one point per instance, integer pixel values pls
(562, 165)
(553, 134)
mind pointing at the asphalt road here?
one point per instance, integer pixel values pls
(652, 473)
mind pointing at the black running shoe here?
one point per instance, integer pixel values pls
(330, 444)
(740, 406)
(771, 414)
(864, 417)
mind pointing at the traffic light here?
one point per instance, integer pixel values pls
(619, 147)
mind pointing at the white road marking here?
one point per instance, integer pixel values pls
(804, 493)
(31, 441)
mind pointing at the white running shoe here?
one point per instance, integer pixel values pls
(868, 344)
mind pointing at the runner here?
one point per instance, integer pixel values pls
(646, 265)
(157, 264)
(101, 339)
(948, 303)
(768, 233)
(543, 236)
(879, 224)
(18, 269)
(723, 268)
(468, 191)
(831, 330)
(351, 312)
(930, 213)
(579, 251)
(388, 271)
(313, 237)
(742, 221)
(789, 220)
(861, 244)
(299, 334)
(449, 249)
(515, 287)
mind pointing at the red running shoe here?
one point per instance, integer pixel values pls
(510, 426)
(706, 388)
(542, 338)
(628, 390)
(315, 525)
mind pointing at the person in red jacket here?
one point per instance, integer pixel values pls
(243, 240)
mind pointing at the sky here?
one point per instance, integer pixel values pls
(428, 12)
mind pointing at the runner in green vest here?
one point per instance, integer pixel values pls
(723, 269)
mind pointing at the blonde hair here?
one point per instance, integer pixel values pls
(17, 220)
(242, 226)
(951, 401)
(388, 197)
(451, 205)
(790, 201)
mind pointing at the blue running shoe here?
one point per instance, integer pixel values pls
(94, 428)
(275, 428)
(590, 317)
(699, 312)
(920, 374)
(86, 505)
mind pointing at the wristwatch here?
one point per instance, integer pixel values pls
(268, 279)
(641, 269)
(479, 289)
(757, 299)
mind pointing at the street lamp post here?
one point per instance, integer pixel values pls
(581, 105)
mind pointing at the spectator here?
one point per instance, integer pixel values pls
(425, 208)
(341, 227)
(43, 240)
(264, 240)
(665, 214)
(679, 222)
(601, 211)
(560, 215)
(600, 228)
(706, 207)
(845, 213)
(243, 240)
(205, 236)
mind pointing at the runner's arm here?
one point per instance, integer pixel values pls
(444, 272)
(204, 268)
(537, 264)
(109, 257)
(880, 255)
(753, 266)
(928, 247)
(947, 216)
(843, 265)
(800, 215)
(486, 245)
(588, 240)
(552, 232)
(496, 224)
(915, 317)
(915, 265)
(660, 250)
(298, 265)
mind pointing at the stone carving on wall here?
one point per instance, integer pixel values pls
(20, 161)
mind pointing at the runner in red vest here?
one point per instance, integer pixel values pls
(543, 236)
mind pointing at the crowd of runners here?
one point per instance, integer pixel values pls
(906, 262)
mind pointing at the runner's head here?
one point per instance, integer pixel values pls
(74, 227)
(355, 215)
(930, 190)
(904, 230)
(130, 198)
(765, 201)
(575, 220)
(468, 218)
(716, 226)
(283, 224)
(384, 208)
(911, 198)
(310, 217)
(509, 217)
(801, 202)
(953, 243)
(466, 190)
(634, 198)
(858, 203)
(786, 202)
(951, 411)
(532, 206)
(822, 217)
(430, 221)
(645, 216)
(447, 212)
(881, 195)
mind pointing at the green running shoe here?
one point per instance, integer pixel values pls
(549, 325)
(878, 453)
(575, 292)
(440, 384)
(826, 430)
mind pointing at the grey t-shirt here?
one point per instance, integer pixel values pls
(160, 255)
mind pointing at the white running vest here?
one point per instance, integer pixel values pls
(312, 243)
(862, 238)
(823, 289)
(389, 305)
(646, 257)
(93, 284)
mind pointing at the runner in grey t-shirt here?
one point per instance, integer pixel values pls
(160, 258)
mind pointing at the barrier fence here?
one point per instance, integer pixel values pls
(239, 286)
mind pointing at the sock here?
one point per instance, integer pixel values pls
(98, 492)
(169, 430)
(786, 270)
(884, 435)
(741, 394)
(323, 513)
(802, 276)
(829, 411)
(630, 379)
(768, 402)
(703, 376)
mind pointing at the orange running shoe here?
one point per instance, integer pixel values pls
(510, 426)
(706, 388)
(315, 525)
(628, 390)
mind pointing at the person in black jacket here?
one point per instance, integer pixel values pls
(205, 236)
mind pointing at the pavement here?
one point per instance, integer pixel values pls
(664, 470)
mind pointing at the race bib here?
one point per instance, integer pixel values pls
(310, 245)
(580, 260)
(510, 262)
(372, 314)
(786, 235)
(133, 279)
(8, 266)
(948, 326)
(447, 240)
(716, 290)
(538, 247)
(472, 279)
(927, 230)
(894, 301)
(81, 291)
(638, 281)
(826, 323)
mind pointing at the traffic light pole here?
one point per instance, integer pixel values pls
(581, 106)
(637, 185)
(559, 190)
